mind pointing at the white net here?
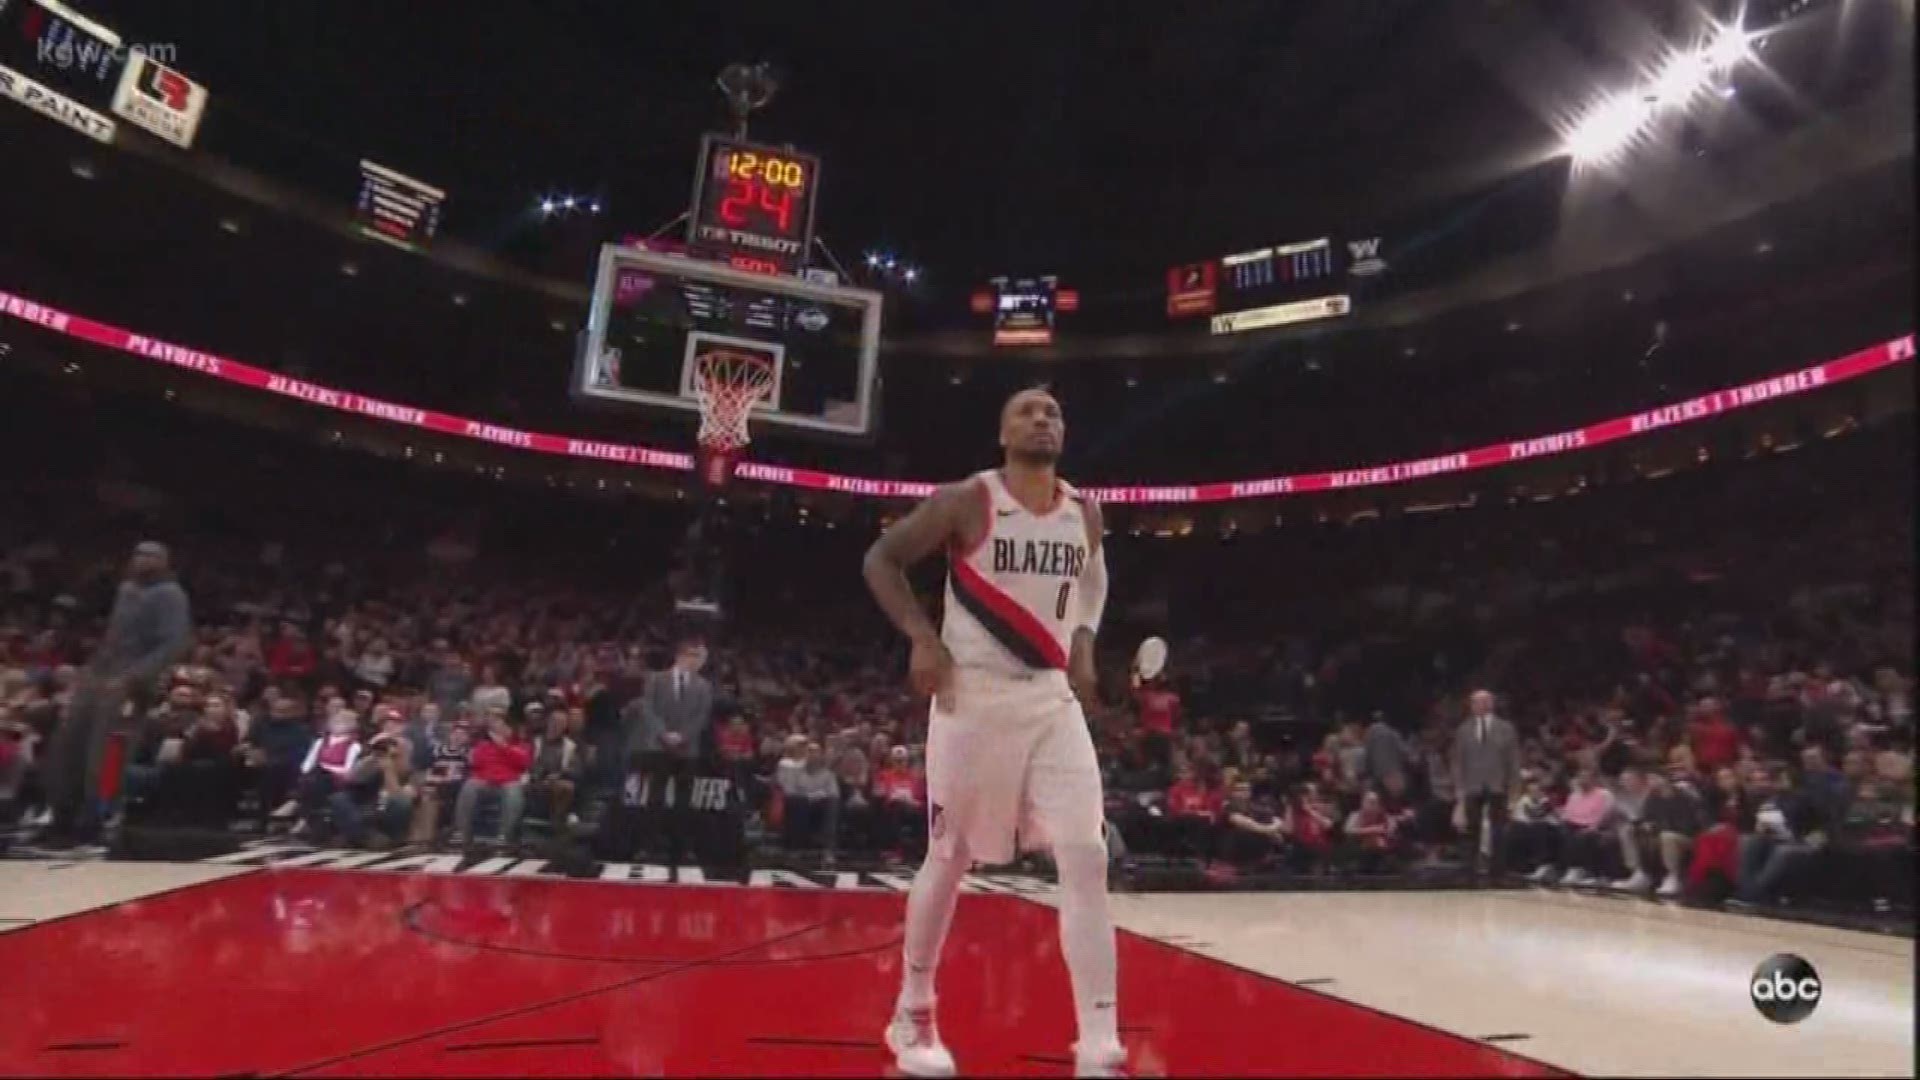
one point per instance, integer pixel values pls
(728, 385)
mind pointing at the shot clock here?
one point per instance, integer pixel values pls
(753, 205)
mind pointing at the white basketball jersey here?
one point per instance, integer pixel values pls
(1010, 598)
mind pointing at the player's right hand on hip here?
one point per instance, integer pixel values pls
(930, 670)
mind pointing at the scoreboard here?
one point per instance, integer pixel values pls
(1024, 308)
(1265, 287)
(753, 206)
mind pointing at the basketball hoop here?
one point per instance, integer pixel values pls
(727, 384)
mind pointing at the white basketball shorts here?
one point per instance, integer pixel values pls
(1012, 760)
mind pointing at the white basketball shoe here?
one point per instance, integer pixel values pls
(915, 1042)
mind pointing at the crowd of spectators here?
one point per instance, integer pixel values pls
(1712, 693)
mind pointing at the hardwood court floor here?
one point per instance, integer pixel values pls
(150, 969)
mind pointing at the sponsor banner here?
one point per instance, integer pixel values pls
(1193, 289)
(293, 854)
(1322, 307)
(1706, 406)
(55, 107)
(155, 97)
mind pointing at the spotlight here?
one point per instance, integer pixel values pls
(230, 226)
(1608, 128)
(83, 169)
(872, 259)
(546, 206)
(567, 202)
(593, 207)
(911, 274)
(889, 262)
(1728, 47)
(350, 269)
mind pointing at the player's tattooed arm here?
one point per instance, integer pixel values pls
(944, 518)
(1092, 604)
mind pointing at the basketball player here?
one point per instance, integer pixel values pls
(1008, 750)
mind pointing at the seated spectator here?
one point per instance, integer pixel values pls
(735, 745)
(154, 748)
(1532, 831)
(856, 801)
(900, 814)
(1193, 807)
(328, 771)
(1873, 848)
(1370, 835)
(384, 794)
(491, 693)
(1669, 820)
(16, 756)
(810, 794)
(1730, 807)
(451, 759)
(1629, 805)
(291, 656)
(1254, 835)
(1581, 842)
(1309, 823)
(207, 775)
(374, 667)
(1714, 739)
(276, 745)
(1239, 750)
(497, 773)
(1771, 826)
(559, 765)
(423, 732)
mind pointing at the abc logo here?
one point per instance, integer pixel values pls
(1785, 988)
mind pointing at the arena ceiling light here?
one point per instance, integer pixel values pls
(1618, 119)
(565, 205)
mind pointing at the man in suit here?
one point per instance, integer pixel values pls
(1486, 767)
(667, 732)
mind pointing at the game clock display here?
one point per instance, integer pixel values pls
(753, 206)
